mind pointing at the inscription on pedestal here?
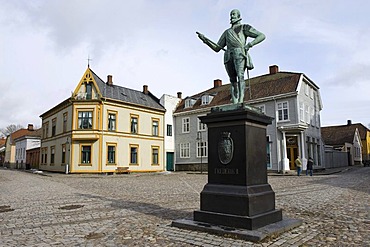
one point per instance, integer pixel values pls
(226, 171)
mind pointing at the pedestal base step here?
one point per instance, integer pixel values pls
(257, 235)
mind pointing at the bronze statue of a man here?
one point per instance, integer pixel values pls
(236, 58)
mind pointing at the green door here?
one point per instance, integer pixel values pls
(169, 161)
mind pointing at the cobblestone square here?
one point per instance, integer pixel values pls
(137, 209)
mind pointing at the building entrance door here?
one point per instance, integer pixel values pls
(169, 161)
(292, 151)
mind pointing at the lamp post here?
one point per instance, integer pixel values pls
(200, 140)
(67, 145)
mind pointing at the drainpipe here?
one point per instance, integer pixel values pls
(303, 156)
(276, 135)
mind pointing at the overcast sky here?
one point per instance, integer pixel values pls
(44, 47)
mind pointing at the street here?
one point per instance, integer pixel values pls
(137, 209)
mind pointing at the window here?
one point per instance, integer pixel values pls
(306, 88)
(53, 126)
(301, 111)
(206, 99)
(169, 130)
(189, 103)
(155, 155)
(134, 124)
(312, 118)
(311, 92)
(155, 125)
(283, 111)
(202, 149)
(186, 125)
(133, 155)
(307, 113)
(86, 154)
(88, 91)
(184, 150)
(201, 126)
(65, 118)
(52, 154)
(63, 153)
(44, 152)
(111, 154)
(85, 120)
(45, 130)
(111, 121)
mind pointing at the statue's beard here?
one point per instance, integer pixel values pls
(235, 20)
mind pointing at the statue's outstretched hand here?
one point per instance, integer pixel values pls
(201, 36)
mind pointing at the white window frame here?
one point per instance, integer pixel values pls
(311, 92)
(307, 114)
(185, 150)
(312, 118)
(206, 99)
(301, 111)
(189, 102)
(201, 126)
(306, 89)
(185, 122)
(280, 108)
(202, 145)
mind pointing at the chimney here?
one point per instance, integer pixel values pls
(274, 69)
(179, 95)
(145, 89)
(110, 80)
(217, 83)
(349, 122)
(30, 127)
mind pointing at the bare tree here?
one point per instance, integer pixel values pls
(10, 129)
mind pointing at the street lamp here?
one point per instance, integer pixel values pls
(200, 140)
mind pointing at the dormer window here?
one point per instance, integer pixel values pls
(88, 91)
(189, 102)
(206, 99)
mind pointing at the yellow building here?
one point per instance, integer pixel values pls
(102, 127)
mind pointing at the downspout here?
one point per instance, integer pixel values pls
(276, 133)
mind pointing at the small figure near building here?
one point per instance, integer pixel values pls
(309, 166)
(298, 164)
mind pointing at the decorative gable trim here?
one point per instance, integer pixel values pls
(87, 88)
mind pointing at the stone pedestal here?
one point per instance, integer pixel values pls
(237, 195)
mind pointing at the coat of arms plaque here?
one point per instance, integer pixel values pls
(225, 148)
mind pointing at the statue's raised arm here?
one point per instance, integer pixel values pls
(210, 43)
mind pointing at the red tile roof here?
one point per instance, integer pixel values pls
(24, 132)
(262, 86)
(338, 135)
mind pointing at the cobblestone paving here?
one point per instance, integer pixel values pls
(137, 209)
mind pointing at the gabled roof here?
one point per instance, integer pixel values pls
(115, 92)
(128, 95)
(19, 133)
(263, 86)
(338, 135)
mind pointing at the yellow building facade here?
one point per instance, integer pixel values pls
(102, 127)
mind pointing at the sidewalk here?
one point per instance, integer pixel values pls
(322, 171)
